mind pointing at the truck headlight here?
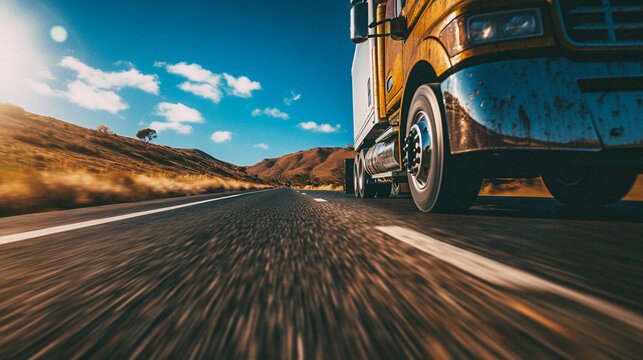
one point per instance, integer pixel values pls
(523, 25)
(466, 31)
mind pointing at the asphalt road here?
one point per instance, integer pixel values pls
(289, 274)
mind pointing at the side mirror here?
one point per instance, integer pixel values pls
(398, 28)
(359, 22)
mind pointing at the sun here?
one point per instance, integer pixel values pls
(58, 33)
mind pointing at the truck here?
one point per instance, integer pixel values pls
(449, 92)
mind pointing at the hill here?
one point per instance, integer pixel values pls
(318, 166)
(34, 141)
(46, 163)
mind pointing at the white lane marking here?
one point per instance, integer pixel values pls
(320, 200)
(504, 275)
(6, 239)
(303, 193)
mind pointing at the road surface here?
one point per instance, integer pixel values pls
(289, 274)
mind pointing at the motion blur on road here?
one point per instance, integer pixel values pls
(293, 274)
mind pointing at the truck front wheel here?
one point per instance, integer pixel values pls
(588, 187)
(439, 182)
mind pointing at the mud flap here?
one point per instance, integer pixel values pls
(348, 177)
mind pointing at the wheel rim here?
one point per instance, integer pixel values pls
(362, 178)
(356, 175)
(418, 150)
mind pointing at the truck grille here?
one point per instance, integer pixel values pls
(603, 22)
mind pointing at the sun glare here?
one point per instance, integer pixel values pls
(58, 33)
(21, 55)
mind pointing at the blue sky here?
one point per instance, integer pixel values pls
(241, 80)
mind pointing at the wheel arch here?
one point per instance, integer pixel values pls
(421, 73)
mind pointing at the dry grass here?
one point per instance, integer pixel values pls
(536, 188)
(48, 164)
(23, 192)
(636, 194)
(514, 187)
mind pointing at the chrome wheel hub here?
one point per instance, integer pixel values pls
(417, 150)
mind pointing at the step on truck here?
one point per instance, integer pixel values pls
(448, 92)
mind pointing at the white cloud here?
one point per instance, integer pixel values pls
(221, 136)
(111, 80)
(87, 96)
(45, 73)
(328, 129)
(44, 89)
(124, 63)
(260, 146)
(193, 72)
(308, 125)
(178, 127)
(206, 84)
(272, 112)
(204, 90)
(294, 97)
(93, 98)
(176, 115)
(241, 86)
(313, 126)
(95, 89)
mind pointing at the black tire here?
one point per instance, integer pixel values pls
(348, 176)
(588, 187)
(364, 189)
(443, 183)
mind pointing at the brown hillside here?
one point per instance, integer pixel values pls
(315, 166)
(48, 164)
(35, 142)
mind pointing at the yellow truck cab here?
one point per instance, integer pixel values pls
(448, 92)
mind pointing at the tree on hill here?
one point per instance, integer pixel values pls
(104, 129)
(146, 134)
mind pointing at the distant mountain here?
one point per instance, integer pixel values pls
(34, 142)
(318, 166)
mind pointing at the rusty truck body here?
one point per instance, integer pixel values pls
(448, 92)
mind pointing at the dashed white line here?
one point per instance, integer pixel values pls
(6, 239)
(320, 200)
(504, 275)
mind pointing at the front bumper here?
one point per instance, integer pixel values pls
(545, 103)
